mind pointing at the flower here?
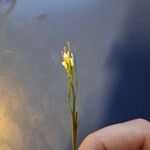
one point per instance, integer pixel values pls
(68, 60)
(70, 68)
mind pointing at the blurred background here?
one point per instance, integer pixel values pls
(112, 39)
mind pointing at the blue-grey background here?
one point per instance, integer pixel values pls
(112, 39)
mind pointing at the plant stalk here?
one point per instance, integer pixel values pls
(73, 112)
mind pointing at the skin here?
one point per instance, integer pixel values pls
(131, 135)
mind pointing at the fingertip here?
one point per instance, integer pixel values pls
(141, 121)
(92, 143)
(131, 134)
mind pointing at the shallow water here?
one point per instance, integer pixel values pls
(33, 109)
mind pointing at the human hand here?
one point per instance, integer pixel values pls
(131, 135)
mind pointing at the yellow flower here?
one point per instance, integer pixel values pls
(68, 60)
(70, 68)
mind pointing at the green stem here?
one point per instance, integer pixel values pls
(73, 112)
(74, 123)
(69, 100)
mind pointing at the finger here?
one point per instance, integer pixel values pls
(131, 135)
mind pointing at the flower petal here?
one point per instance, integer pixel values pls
(64, 64)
